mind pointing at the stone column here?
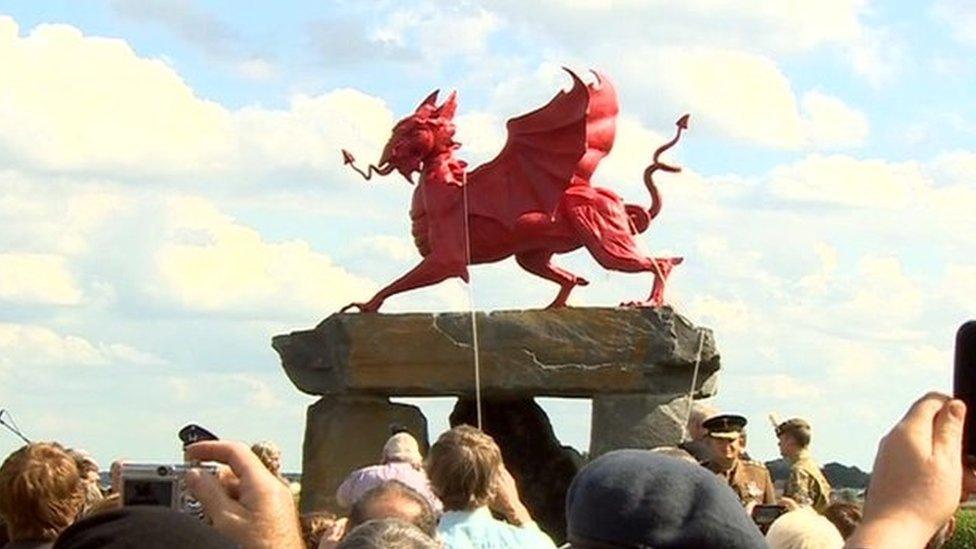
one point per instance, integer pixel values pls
(344, 433)
(636, 421)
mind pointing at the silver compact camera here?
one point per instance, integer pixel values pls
(161, 485)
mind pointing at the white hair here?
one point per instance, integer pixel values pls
(803, 528)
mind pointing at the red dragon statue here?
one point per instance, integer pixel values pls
(532, 201)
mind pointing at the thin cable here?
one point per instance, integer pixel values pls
(694, 381)
(12, 426)
(471, 309)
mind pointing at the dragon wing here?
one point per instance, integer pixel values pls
(548, 150)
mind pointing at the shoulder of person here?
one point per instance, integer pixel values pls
(753, 464)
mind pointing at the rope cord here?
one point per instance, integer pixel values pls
(694, 381)
(471, 309)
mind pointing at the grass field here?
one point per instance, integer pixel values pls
(965, 536)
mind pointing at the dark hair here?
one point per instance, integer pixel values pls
(391, 490)
(845, 516)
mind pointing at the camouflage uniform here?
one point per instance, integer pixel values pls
(806, 484)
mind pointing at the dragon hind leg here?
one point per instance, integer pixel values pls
(661, 268)
(538, 263)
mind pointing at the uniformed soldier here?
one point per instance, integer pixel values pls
(749, 480)
(806, 484)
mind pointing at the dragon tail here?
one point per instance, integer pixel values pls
(656, 164)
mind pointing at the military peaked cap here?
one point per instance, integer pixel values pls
(725, 426)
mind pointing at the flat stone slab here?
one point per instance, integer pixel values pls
(570, 352)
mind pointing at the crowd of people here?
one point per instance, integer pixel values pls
(705, 494)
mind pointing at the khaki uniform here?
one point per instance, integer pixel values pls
(749, 480)
(807, 484)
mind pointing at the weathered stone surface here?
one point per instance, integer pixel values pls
(541, 466)
(344, 433)
(565, 352)
(636, 421)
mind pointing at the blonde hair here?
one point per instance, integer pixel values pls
(463, 468)
(41, 491)
(803, 529)
(269, 454)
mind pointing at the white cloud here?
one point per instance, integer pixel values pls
(80, 103)
(307, 137)
(851, 360)
(257, 392)
(51, 215)
(957, 166)
(438, 31)
(391, 247)
(786, 27)
(24, 344)
(820, 281)
(744, 96)
(884, 293)
(830, 123)
(960, 17)
(209, 262)
(723, 315)
(37, 278)
(959, 286)
(785, 387)
(257, 69)
(848, 181)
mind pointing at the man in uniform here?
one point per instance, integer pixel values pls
(748, 479)
(806, 484)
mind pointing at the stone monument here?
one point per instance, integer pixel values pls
(636, 364)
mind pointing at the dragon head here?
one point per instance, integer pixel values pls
(428, 132)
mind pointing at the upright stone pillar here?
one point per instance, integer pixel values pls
(636, 421)
(344, 433)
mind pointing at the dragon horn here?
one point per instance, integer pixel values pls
(449, 107)
(429, 100)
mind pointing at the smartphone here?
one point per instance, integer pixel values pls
(964, 382)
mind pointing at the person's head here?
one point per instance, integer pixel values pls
(637, 498)
(269, 454)
(143, 526)
(394, 499)
(675, 452)
(699, 413)
(115, 475)
(803, 528)
(463, 467)
(794, 437)
(314, 526)
(726, 439)
(402, 447)
(387, 534)
(845, 516)
(41, 491)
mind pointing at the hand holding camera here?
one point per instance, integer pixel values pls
(245, 502)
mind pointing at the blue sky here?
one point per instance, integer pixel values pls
(172, 196)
